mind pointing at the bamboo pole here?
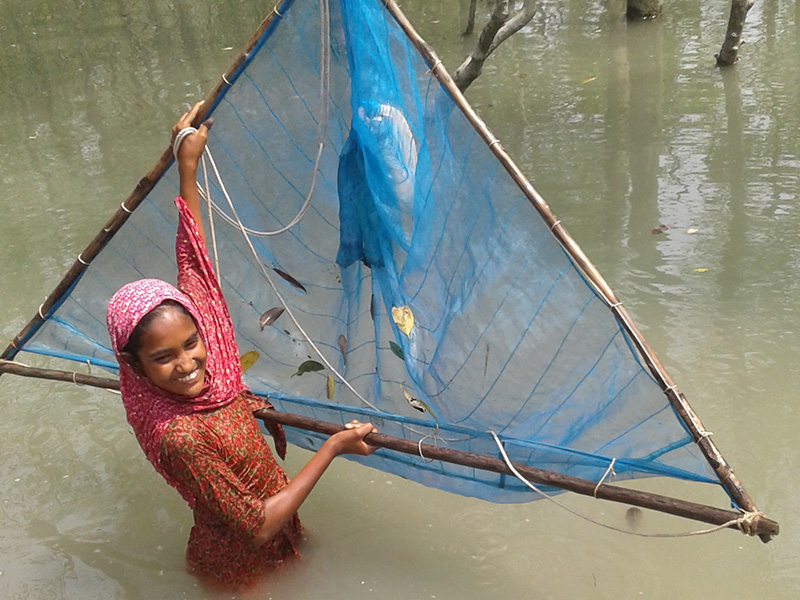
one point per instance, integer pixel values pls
(673, 506)
(764, 527)
(142, 189)
(15, 368)
(574, 251)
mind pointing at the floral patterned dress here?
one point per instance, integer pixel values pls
(223, 459)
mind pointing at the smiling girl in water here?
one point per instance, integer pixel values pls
(182, 388)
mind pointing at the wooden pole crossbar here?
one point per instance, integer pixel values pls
(682, 508)
(764, 527)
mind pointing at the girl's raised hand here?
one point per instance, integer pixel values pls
(189, 153)
(193, 145)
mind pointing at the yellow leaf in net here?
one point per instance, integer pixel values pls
(403, 318)
(248, 359)
(700, 270)
(329, 388)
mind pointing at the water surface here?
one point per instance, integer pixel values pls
(621, 128)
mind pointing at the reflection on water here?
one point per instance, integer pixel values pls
(621, 128)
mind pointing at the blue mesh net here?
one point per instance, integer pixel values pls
(412, 209)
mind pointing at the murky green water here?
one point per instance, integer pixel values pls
(621, 128)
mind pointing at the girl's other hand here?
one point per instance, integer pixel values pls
(351, 440)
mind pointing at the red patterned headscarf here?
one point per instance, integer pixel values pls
(150, 408)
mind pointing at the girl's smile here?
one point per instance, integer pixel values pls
(172, 354)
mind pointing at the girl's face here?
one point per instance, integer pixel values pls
(172, 354)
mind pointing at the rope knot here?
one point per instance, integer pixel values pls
(748, 522)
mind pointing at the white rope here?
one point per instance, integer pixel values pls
(322, 131)
(746, 523)
(211, 217)
(702, 433)
(432, 70)
(179, 137)
(419, 447)
(609, 470)
(3, 361)
(254, 232)
(246, 232)
(283, 302)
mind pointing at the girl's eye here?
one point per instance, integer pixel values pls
(191, 343)
(162, 359)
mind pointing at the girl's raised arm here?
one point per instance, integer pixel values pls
(189, 154)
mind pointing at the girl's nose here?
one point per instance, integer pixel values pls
(185, 363)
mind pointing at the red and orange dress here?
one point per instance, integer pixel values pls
(209, 447)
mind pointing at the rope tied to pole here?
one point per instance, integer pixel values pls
(432, 70)
(746, 523)
(609, 471)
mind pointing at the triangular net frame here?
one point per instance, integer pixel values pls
(415, 204)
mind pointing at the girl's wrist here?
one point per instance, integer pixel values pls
(187, 165)
(331, 447)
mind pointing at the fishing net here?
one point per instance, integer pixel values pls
(410, 211)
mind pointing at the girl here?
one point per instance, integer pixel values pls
(183, 393)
